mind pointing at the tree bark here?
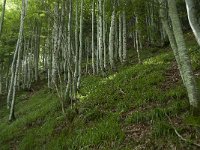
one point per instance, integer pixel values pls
(124, 36)
(1, 75)
(101, 37)
(190, 83)
(111, 39)
(104, 36)
(18, 52)
(80, 46)
(193, 19)
(170, 34)
(55, 45)
(76, 53)
(93, 51)
(2, 16)
(120, 38)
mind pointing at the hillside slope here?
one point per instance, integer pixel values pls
(136, 107)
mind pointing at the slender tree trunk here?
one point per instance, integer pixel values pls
(124, 36)
(104, 36)
(87, 54)
(36, 50)
(97, 47)
(1, 74)
(49, 68)
(93, 51)
(120, 38)
(116, 42)
(18, 52)
(166, 26)
(2, 16)
(76, 53)
(100, 37)
(69, 80)
(111, 39)
(80, 46)
(190, 83)
(137, 41)
(193, 19)
(55, 45)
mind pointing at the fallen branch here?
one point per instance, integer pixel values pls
(180, 136)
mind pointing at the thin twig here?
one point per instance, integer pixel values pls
(179, 135)
(121, 91)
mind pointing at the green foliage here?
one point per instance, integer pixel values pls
(133, 96)
(192, 120)
(162, 128)
(195, 57)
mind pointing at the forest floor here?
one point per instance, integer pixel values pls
(140, 106)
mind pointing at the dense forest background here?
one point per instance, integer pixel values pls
(99, 74)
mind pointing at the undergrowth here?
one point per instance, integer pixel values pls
(111, 113)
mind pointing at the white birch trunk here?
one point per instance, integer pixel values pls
(190, 83)
(100, 37)
(80, 46)
(111, 39)
(93, 51)
(55, 50)
(18, 52)
(104, 36)
(124, 37)
(97, 47)
(193, 19)
(166, 26)
(137, 42)
(1, 75)
(120, 38)
(2, 16)
(76, 53)
(69, 79)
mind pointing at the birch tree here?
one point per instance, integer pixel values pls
(93, 51)
(193, 19)
(81, 45)
(69, 79)
(2, 16)
(111, 39)
(189, 79)
(55, 49)
(120, 38)
(164, 19)
(16, 59)
(124, 36)
(104, 35)
(137, 39)
(76, 52)
(100, 37)
(1, 76)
